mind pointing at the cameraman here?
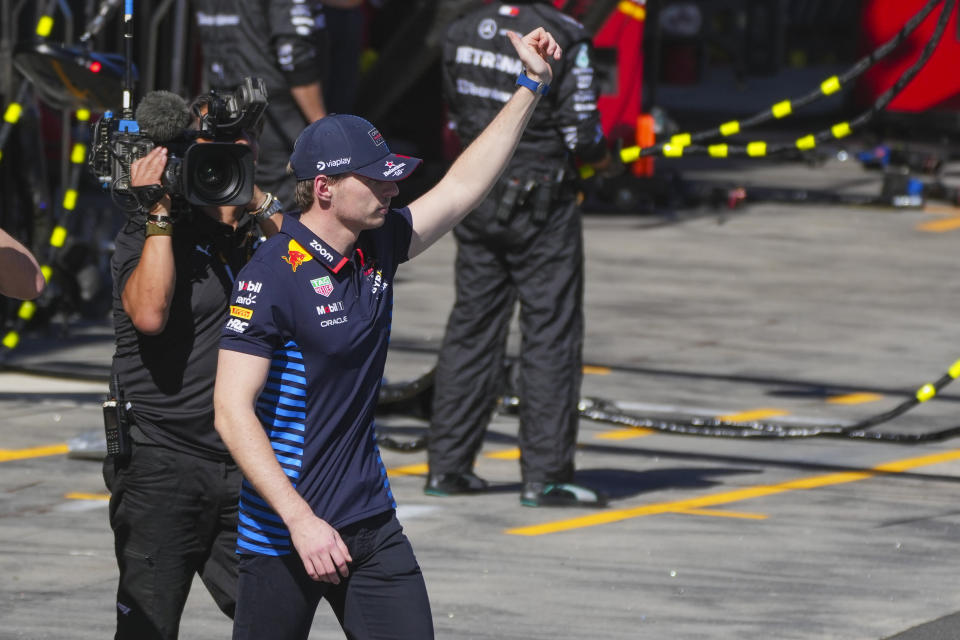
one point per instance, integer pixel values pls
(173, 507)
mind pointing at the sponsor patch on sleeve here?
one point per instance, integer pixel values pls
(236, 325)
(241, 312)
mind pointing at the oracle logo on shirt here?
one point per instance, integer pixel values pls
(334, 321)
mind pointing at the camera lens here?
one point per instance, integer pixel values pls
(211, 177)
(218, 174)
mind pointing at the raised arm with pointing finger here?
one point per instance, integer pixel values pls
(301, 362)
(475, 170)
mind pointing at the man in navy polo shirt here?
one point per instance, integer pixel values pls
(301, 361)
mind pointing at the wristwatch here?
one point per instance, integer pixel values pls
(159, 225)
(539, 88)
(265, 211)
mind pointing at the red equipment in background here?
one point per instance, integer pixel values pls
(620, 115)
(623, 31)
(937, 85)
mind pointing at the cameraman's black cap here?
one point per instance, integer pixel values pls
(341, 143)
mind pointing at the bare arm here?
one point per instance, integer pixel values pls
(309, 97)
(240, 378)
(476, 169)
(147, 294)
(20, 275)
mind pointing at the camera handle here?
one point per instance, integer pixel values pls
(127, 112)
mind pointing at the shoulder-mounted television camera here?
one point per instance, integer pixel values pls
(205, 166)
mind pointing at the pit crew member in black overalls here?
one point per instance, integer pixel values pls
(524, 242)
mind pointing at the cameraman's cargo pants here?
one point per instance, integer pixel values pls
(173, 515)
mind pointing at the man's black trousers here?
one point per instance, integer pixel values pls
(384, 597)
(539, 263)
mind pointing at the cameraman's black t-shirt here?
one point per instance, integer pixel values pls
(169, 377)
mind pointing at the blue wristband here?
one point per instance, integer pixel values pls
(539, 88)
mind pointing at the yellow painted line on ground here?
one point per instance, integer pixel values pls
(754, 414)
(723, 514)
(624, 434)
(597, 371)
(87, 496)
(506, 454)
(746, 493)
(7, 455)
(854, 398)
(939, 226)
(409, 470)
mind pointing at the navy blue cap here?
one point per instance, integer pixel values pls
(341, 143)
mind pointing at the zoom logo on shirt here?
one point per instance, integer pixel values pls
(319, 248)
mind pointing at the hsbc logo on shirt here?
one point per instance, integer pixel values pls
(237, 325)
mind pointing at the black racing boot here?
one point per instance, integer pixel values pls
(451, 484)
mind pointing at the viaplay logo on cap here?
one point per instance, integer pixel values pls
(332, 164)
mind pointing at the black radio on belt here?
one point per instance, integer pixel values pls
(116, 425)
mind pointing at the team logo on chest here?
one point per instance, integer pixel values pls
(296, 255)
(323, 286)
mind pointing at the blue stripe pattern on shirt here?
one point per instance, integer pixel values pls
(281, 408)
